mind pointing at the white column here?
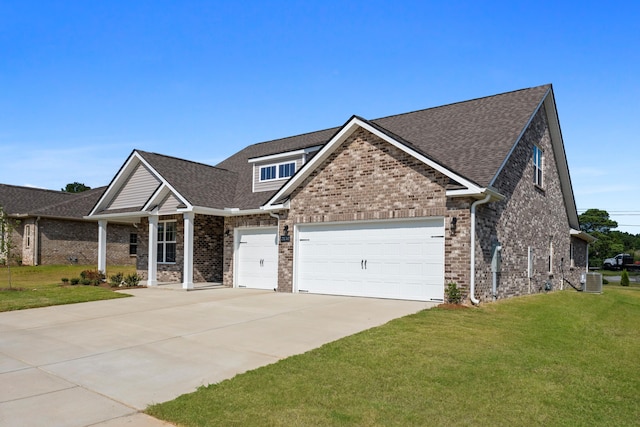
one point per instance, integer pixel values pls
(152, 262)
(102, 245)
(187, 271)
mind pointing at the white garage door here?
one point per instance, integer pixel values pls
(257, 258)
(386, 259)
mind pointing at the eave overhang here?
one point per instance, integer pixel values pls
(347, 130)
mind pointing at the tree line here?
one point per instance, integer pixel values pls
(610, 242)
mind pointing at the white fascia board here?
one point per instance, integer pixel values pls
(131, 216)
(561, 161)
(340, 137)
(582, 235)
(119, 180)
(275, 207)
(221, 212)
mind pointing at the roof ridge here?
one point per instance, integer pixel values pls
(77, 196)
(395, 115)
(461, 102)
(181, 159)
(25, 187)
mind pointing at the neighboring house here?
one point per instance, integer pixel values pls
(50, 228)
(395, 207)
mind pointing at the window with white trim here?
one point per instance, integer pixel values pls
(279, 171)
(28, 234)
(133, 243)
(538, 163)
(167, 242)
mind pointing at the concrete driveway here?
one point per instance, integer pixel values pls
(100, 363)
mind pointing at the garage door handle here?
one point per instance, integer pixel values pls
(365, 264)
(362, 264)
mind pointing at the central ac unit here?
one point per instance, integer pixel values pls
(593, 283)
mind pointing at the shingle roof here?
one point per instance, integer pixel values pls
(200, 184)
(18, 200)
(471, 138)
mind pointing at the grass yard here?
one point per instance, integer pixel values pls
(565, 358)
(41, 286)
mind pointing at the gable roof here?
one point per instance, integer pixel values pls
(200, 184)
(27, 201)
(468, 141)
(192, 185)
(470, 138)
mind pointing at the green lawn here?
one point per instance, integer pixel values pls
(565, 358)
(40, 286)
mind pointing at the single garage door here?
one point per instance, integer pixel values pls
(385, 259)
(257, 258)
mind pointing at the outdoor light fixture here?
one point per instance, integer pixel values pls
(286, 230)
(454, 222)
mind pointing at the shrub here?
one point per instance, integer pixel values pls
(132, 280)
(454, 296)
(86, 282)
(75, 281)
(95, 276)
(65, 280)
(116, 280)
(624, 279)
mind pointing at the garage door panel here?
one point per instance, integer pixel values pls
(404, 260)
(257, 258)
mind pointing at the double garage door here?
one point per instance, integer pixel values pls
(386, 259)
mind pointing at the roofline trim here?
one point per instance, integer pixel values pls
(347, 129)
(582, 235)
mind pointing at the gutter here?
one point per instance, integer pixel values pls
(472, 281)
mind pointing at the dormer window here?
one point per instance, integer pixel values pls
(280, 171)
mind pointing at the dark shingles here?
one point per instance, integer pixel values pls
(202, 185)
(471, 138)
(38, 202)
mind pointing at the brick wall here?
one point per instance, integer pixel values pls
(60, 241)
(368, 179)
(207, 248)
(529, 217)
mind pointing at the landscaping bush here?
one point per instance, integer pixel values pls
(454, 296)
(624, 279)
(95, 277)
(75, 281)
(86, 282)
(132, 280)
(65, 280)
(116, 280)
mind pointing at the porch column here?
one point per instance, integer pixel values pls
(102, 245)
(188, 251)
(152, 262)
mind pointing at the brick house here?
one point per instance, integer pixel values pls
(50, 228)
(477, 193)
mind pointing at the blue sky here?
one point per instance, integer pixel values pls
(83, 83)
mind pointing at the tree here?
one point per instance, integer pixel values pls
(596, 220)
(75, 187)
(624, 280)
(6, 243)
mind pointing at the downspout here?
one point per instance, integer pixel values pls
(472, 281)
(36, 239)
